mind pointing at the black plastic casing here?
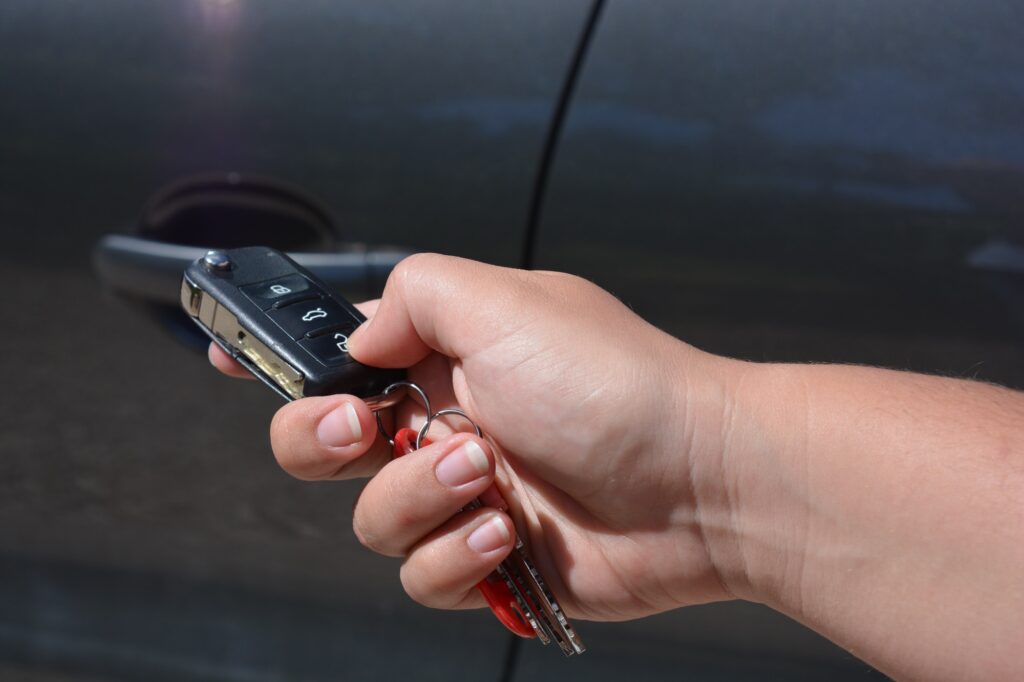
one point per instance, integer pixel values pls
(254, 265)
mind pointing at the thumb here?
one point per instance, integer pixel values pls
(436, 303)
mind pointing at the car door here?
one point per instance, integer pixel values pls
(794, 181)
(146, 531)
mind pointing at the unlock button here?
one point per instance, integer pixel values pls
(310, 317)
(330, 347)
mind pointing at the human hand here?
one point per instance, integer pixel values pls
(596, 425)
(645, 474)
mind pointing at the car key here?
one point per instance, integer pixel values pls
(282, 324)
(515, 591)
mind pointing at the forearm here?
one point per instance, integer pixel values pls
(884, 509)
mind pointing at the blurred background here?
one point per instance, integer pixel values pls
(805, 180)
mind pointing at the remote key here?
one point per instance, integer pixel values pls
(282, 324)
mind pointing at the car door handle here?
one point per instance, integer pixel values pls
(150, 270)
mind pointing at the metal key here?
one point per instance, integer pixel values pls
(282, 324)
(291, 332)
(535, 611)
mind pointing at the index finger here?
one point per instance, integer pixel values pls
(226, 364)
(432, 303)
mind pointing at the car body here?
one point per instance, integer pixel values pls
(779, 181)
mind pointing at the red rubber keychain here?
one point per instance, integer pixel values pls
(495, 590)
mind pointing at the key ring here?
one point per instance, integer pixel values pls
(391, 389)
(440, 413)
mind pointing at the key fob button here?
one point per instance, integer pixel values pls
(331, 346)
(310, 316)
(286, 326)
(280, 290)
(288, 299)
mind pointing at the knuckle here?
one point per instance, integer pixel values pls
(408, 507)
(406, 518)
(367, 538)
(570, 284)
(412, 268)
(420, 587)
(373, 526)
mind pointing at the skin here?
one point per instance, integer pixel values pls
(883, 509)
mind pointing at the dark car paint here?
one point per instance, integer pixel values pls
(145, 530)
(765, 180)
(363, 105)
(803, 180)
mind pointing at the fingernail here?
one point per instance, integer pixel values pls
(489, 537)
(462, 465)
(340, 427)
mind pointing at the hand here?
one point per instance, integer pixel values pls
(595, 438)
(881, 508)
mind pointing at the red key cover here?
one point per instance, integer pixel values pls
(494, 589)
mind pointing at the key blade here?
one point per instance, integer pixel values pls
(535, 599)
(518, 589)
(550, 616)
(517, 586)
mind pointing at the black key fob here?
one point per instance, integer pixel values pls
(282, 324)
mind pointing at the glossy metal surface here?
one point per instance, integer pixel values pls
(777, 180)
(798, 181)
(145, 530)
(418, 123)
(216, 260)
(148, 270)
(804, 180)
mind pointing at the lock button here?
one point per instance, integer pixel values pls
(309, 317)
(331, 346)
(279, 292)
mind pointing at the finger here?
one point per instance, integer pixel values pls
(415, 494)
(223, 362)
(443, 570)
(227, 365)
(330, 437)
(432, 302)
(368, 308)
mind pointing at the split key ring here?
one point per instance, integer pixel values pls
(440, 413)
(431, 415)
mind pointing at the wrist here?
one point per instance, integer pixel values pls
(694, 437)
(748, 439)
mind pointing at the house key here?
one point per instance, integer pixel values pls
(515, 591)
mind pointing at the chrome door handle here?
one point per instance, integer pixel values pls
(150, 270)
